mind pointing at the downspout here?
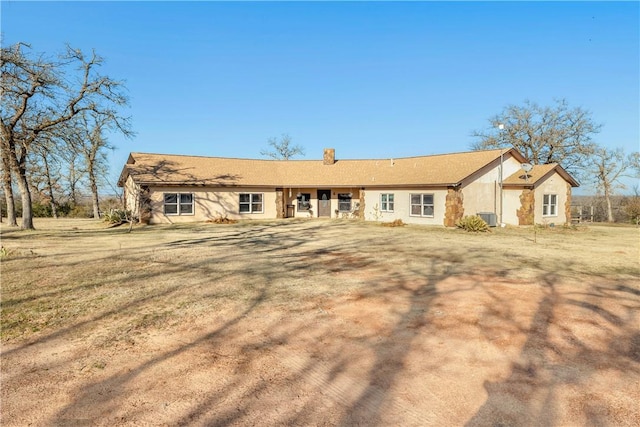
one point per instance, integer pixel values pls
(501, 165)
(500, 130)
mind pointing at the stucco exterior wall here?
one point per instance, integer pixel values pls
(210, 203)
(131, 193)
(402, 205)
(482, 194)
(554, 184)
(511, 203)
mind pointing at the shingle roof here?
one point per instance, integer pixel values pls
(537, 173)
(437, 170)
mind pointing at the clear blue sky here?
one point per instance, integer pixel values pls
(372, 80)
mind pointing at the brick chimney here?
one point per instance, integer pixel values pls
(329, 156)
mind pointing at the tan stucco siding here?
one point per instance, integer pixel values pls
(554, 184)
(483, 193)
(402, 205)
(131, 193)
(511, 203)
(481, 197)
(210, 203)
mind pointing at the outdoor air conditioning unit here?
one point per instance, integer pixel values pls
(490, 218)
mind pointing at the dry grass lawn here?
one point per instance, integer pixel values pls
(319, 323)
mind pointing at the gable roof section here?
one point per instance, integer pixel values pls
(435, 170)
(538, 174)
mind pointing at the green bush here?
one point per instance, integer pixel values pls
(41, 210)
(472, 223)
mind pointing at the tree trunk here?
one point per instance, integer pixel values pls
(90, 155)
(27, 211)
(94, 193)
(52, 200)
(607, 196)
(72, 182)
(8, 195)
(8, 190)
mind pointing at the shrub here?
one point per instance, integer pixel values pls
(41, 210)
(472, 223)
(396, 223)
(632, 209)
(116, 216)
(219, 219)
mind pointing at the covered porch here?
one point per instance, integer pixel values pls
(320, 202)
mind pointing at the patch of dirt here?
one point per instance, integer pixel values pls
(329, 330)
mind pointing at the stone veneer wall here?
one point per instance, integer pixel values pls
(454, 208)
(527, 205)
(144, 205)
(279, 203)
(361, 209)
(567, 205)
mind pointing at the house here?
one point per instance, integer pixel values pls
(437, 189)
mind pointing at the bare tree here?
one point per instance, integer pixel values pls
(40, 95)
(282, 148)
(557, 134)
(7, 187)
(607, 166)
(46, 169)
(87, 139)
(73, 175)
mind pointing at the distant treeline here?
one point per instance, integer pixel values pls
(624, 208)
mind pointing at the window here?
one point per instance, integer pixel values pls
(304, 201)
(422, 205)
(386, 202)
(178, 204)
(251, 203)
(550, 205)
(344, 202)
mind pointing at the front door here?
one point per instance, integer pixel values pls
(324, 203)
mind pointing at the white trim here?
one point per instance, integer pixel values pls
(390, 201)
(178, 204)
(422, 205)
(551, 208)
(250, 203)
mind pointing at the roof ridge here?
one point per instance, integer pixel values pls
(133, 153)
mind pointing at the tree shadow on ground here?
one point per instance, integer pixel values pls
(345, 353)
(560, 354)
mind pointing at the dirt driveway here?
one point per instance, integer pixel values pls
(319, 323)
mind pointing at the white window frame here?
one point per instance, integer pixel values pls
(304, 202)
(387, 202)
(550, 205)
(179, 204)
(251, 203)
(342, 197)
(422, 204)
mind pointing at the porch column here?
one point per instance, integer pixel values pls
(454, 207)
(527, 205)
(361, 208)
(279, 203)
(567, 206)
